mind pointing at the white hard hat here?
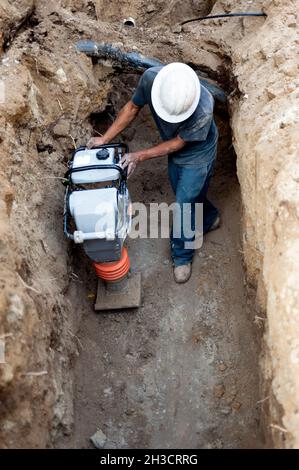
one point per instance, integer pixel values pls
(175, 92)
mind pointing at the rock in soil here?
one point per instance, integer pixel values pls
(98, 439)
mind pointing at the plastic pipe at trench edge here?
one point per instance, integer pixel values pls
(136, 60)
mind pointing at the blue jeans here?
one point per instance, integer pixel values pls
(190, 185)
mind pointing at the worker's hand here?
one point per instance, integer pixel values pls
(95, 142)
(130, 161)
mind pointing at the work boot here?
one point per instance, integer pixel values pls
(182, 273)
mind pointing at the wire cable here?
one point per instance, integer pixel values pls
(224, 15)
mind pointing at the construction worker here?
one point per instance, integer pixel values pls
(183, 111)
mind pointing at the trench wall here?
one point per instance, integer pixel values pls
(265, 125)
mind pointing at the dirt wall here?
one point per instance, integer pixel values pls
(265, 124)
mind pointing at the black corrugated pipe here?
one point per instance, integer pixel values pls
(135, 60)
(108, 51)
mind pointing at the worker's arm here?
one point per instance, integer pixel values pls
(131, 160)
(126, 115)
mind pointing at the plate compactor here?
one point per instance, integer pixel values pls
(97, 205)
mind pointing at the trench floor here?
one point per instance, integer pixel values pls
(182, 370)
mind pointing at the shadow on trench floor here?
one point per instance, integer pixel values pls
(182, 370)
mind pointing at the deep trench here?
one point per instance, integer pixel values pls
(182, 370)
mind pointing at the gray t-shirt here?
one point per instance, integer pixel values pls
(199, 131)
